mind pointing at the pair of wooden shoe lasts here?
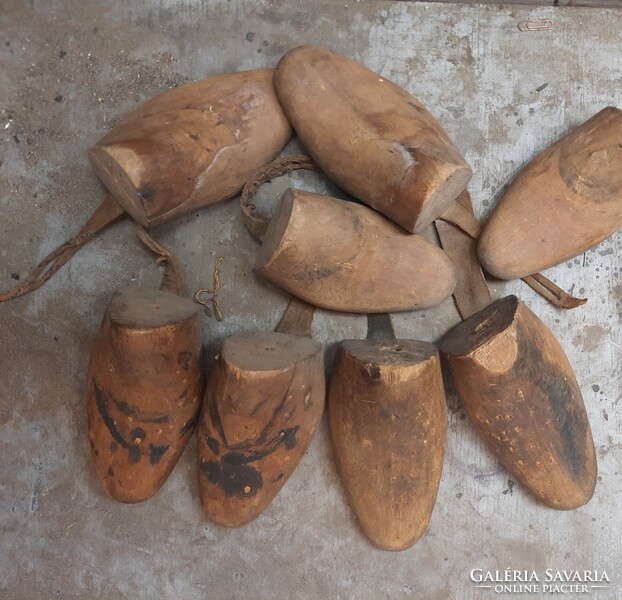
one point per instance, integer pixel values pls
(145, 387)
(383, 147)
(378, 143)
(386, 413)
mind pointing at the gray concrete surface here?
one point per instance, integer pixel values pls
(69, 70)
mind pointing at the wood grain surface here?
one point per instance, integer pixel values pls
(386, 412)
(263, 402)
(144, 390)
(344, 256)
(521, 393)
(192, 146)
(564, 202)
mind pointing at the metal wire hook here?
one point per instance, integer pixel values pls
(212, 294)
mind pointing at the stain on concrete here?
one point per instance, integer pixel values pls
(589, 338)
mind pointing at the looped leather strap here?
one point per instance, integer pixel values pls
(255, 222)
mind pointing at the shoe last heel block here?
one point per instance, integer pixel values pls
(344, 256)
(565, 201)
(521, 394)
(386, 413)
(144, 385)
(263, 402)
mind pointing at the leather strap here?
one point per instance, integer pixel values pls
(472, 293)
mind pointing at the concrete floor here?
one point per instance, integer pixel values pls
(69, 70)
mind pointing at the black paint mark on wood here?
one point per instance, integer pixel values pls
(134, 454)
(265, 432)
(212, 444)
(232, 472)
(106, 418)
(131, 411)
(214, 417)
(242, 481)
(138, 434)
(289, 438)
(156, 453)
